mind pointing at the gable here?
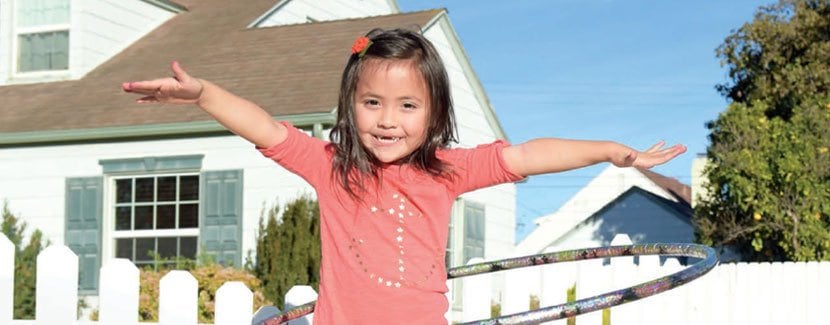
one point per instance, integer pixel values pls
(645, 217)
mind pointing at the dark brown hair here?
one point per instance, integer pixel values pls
(353, 163)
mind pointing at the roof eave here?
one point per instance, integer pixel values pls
(167, 5)
(14, 139)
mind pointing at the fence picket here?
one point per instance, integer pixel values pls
(234, 301)
(297, 296)
(733, 294)
(476, 296)
(57, 281)
(119, 292)
(6, 280)
(178, 304)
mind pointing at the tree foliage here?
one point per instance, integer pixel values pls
(25, 262)
(768, 190)
(288, 248)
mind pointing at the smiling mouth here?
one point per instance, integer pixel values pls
(386, 140)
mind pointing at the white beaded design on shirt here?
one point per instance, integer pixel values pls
(399, 212)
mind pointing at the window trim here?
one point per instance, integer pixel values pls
(150, 166)
(16, 31)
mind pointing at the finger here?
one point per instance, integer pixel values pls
(143, 87)
(180, 74)
(147, 99)
(656, 146)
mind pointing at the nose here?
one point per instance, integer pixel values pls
(387, 119)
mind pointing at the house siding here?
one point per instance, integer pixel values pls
(299, 11)
(97, 34)
(641, 217)
(32, 179)
(94, 35)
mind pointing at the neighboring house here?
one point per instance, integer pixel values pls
(109, 178)
(647, 206)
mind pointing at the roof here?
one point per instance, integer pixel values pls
(288, 70)
(607, 187)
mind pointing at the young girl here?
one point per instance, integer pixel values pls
(387, 179)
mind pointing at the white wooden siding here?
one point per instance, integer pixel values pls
(94, 36)
(33, 179)
(5, 40)
(299, 11)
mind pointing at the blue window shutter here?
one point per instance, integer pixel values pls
(220, 234)
(82, 231)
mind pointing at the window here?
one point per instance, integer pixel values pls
(156, 214)
(473, 230)
(42, 35)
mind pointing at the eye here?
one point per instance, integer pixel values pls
(371, 103)
(409, 106)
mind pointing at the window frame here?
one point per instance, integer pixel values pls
(17, 31)
(111, 235)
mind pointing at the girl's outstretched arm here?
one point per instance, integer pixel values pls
(237, 114)
(550, 155)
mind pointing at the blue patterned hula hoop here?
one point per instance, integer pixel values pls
(708, 256)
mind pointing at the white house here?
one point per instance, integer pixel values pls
(82, 162)
(647, 206)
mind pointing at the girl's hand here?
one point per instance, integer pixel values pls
(654, 156)
(179, 89)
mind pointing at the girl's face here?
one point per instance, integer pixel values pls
(391, 108)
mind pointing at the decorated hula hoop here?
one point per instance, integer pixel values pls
(707, 255)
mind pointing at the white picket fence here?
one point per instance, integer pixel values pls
(745, 293)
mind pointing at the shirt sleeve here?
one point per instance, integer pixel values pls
(479, 167)
(301, 154)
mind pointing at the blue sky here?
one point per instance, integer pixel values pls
(632, 71)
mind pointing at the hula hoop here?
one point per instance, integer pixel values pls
(707, 255)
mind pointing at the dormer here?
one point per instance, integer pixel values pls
(52, 40)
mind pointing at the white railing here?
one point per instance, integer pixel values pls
(744, 293)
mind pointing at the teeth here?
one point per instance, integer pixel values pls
(387, 139)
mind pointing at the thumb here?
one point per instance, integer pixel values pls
(179, 73)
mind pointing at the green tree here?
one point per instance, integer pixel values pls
(768, 190)
(25, 262)
(288, 248)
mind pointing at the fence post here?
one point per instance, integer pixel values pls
(517, 284)
(178, 299)
(556, 280)
(6, 280)
(649, 310)
(476, 294)
(590, 281)
(57, 286)
(297, 296)
(118, 296)
(623, 275)
(234, 303)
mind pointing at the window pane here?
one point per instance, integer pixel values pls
(42, 12)
(43, 51)
(143, 217)
(188, 247)
(189, 188)
(188, 216)
(166, 216)
(124, 248)
(59, 50)
(123, 218)
(143, 247)
(166, 189)
(123, 191)
(167, 247)
(144, 189)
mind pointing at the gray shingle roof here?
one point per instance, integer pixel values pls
(288, 70)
